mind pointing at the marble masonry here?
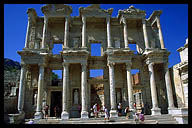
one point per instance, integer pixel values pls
(75, 35)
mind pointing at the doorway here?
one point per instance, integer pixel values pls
(56, 99)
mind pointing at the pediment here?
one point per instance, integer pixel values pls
(95, 10)
(56, 9)
(131, 11)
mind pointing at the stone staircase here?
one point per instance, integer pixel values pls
(162, 119)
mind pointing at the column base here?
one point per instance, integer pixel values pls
(84, 115)
(38, 115)
(113, 114)
(155, 111)
(172, 110)
(65, 115)
(178, 111)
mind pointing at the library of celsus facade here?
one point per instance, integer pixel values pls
(76, 34)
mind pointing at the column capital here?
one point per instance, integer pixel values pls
(128, 65)
(23, 65)
(123, 20)
(108, 18)
(65, 64)
(46, 19)
(149, 63)
(143, 21)
(111, 64)
(84, 19)
(42, 65)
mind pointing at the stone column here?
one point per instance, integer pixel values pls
(113, 112)
(21, 89)
(155, 109)
(66, 33)
(84, 113)
(160, 33)
(38, 114)
(108, 32)
(65, 114)
(169, 88)
(145, 34)
(29, 25)
(125, 33)
(84, 45)
(129, 85)
(45, 27)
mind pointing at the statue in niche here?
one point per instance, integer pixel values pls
(76, 96)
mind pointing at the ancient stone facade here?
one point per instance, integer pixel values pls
(179, 75)
(75, 35)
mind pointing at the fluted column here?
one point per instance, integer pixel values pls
(155, 109)
(21, 89)
(168, 87)
(145, 34)
(160, 33)
(113, 111)
(84, 45)
(65, 114)
(108, 32)
(38, 114)
(29, 25)
(66, 33)
(125, 33)
(84, 113)
(45, 27)
(130, 86)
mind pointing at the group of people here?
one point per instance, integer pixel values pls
(97, 108)
(56, 111)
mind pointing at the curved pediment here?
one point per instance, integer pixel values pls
(56, 9)
(131, 11)
(95, 10)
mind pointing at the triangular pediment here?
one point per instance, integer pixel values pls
(56, 9)
(95, 10)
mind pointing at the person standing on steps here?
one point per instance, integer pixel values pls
(106, 114)
(127, 112)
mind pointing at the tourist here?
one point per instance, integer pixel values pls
(141, 118)
(127, 112)
(106, 114)
(56, 110)
(95, 110)
(119, 108)
(46, 109)
(136, 117)
(98, 109)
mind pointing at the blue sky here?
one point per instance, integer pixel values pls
(174, 23)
